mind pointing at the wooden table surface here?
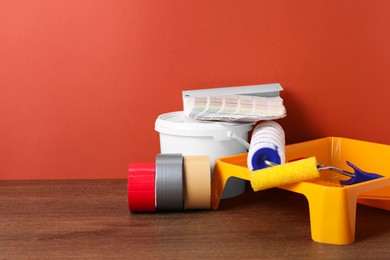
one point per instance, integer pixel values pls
(90, 219)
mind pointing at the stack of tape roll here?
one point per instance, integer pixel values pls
(173, 183)
(267, 144)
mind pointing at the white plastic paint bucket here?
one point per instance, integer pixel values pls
(179, 134)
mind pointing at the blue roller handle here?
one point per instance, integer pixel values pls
(359, 176)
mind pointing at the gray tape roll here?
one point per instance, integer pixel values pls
(169, 182)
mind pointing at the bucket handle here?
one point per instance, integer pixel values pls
(244, 143)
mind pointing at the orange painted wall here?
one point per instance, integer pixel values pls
(82, 82)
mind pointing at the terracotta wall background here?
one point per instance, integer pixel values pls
(82, 82)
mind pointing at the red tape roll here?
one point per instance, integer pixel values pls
(141, 187)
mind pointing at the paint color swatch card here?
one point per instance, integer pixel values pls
(235, 104)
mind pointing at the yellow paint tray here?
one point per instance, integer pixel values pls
(332, 207)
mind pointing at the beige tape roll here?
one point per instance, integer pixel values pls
(197, 183)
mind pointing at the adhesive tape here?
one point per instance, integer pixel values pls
(169, 182)
(141, 188)
(197, 191)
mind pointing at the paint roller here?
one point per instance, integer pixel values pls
(301, 170)
(283, 174)
(266, 157)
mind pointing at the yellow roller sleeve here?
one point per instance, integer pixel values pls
(287, 173)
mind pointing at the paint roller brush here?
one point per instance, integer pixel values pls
(300, 170)
(266, 156)
(267, 148)
(283, 174)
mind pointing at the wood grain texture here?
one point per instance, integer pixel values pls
(90, 219)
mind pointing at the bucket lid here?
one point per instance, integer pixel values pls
(176, 123)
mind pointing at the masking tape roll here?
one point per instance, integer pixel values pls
(169, 182)
(197, 190)
(141, 188)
